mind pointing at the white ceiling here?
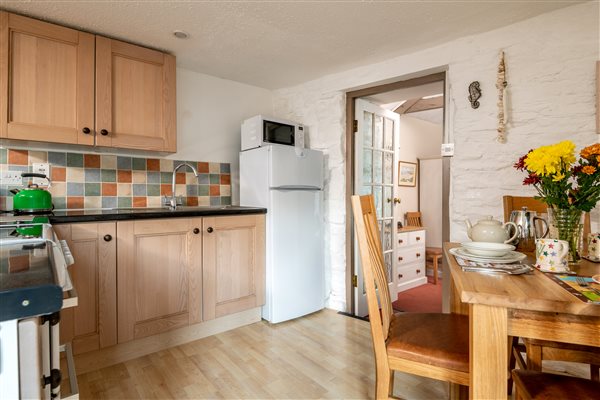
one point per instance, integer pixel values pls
(274, 44)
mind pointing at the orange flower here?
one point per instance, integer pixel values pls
(598, 159)
(588, 170)
(590, 151)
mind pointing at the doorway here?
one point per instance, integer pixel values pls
(374, 150)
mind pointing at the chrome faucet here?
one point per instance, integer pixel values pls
(173, 201)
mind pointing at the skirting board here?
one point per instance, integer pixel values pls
(106, 357)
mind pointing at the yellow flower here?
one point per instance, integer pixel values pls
(558, 177)
(588, 169)
(551, 160)
(590, 151)
(598, 159)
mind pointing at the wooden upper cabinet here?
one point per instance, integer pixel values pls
(46, 81)
(233, 264)
(135, 97)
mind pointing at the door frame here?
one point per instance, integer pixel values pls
(351, 96)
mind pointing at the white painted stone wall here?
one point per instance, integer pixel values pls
(551, 74)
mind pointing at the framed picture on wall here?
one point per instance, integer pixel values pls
(407, 173)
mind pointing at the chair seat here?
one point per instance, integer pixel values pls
(433, 251)
(436, 339)
(544, 386)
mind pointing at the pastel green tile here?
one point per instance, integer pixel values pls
(123, 201)
(138, 164)
(3, 155)
(203, 190)
(225, 168)
(108, 175)
(92, 189)
(74, 160)
(191, 190)
(203, 179)
(166, 177)
(123, 163)
(57, 159)
(153, 177)
(225, 201)
(215, 201)
(59, 202)
(215, 179)
(153, 190)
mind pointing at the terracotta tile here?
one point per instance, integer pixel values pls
(192, 201)
(139, 202)
(203, 167)
(58, 174)
(74, 202)
(109, 189)
(91, 161)
(180, 178)
(124, 176)
(18, 157)
(165, 190)
(153, 164)
(215, 190)
(225, 179)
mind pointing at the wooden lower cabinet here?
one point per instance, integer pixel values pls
(159, 280)
(233, 264)
(93, 323)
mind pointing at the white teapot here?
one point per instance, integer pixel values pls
(491, 230)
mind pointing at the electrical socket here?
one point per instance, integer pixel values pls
(447, 149)
(12, 178)
(41, 168)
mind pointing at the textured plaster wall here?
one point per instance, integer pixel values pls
(551, 74)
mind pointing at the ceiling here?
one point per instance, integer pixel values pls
(391, 99)
(275, 44)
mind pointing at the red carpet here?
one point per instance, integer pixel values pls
(424, 298)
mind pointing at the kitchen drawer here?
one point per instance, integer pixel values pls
(409, 255)
(409, 273)
(402, 239)
(416, 237)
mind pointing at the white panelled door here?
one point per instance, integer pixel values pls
(375, 147)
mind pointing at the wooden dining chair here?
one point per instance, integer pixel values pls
(432, 254)
(409, 342)
(534, 385)
(538, 350)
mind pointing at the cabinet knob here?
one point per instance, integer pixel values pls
(104, 132)
(86, 130)
(418, 271)
(418, 254)
(196, 231)
(107, 238)
(400, 241)
(418, 238)
(209, 229)
(400, 258)
(400, 276)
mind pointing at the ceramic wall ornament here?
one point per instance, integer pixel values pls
(474, 94)
(502, 85)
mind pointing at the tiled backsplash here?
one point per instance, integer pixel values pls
(107, 181)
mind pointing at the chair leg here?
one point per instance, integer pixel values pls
(534, 357)
(512, 361)
(435, 269)
(384, 383)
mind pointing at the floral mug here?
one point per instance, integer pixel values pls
(594, 245)
(552, 255)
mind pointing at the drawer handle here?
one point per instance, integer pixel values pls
(400, 241)
(107, 238)
(86, 130)
(400, 276)
(418, 254)
(418, 271)
(210, 229)
(418, 238)
(400, 258)
(196, 231)
(104, 132)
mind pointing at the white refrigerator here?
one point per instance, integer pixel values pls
(288, 182)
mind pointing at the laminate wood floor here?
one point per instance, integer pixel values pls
(323, 355)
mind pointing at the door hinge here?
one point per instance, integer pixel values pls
(354, 280)
(355, 125)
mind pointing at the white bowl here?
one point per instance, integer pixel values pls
(488, 249)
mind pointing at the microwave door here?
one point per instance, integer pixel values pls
(278, 133)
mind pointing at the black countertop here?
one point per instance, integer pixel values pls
(121, 214)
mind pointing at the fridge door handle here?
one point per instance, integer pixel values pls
(295, 187)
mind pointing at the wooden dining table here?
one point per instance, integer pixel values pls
(531, 306)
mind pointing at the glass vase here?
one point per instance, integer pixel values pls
(567, 224)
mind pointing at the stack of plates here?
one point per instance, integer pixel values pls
(485, 252)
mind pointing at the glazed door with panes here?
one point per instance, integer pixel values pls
(375, 146)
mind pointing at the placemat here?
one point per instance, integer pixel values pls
(584, 294)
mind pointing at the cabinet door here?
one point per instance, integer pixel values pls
(233, 264)
(135, 97)
(93, 323)
(46, 81)
(159, 276)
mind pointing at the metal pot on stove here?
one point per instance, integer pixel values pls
(529, 228)
(33, 199)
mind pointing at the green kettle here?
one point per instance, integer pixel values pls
(32, 199)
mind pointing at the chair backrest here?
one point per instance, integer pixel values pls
(374, 271)
(413, 218)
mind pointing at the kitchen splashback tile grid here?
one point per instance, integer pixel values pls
(108, 181)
